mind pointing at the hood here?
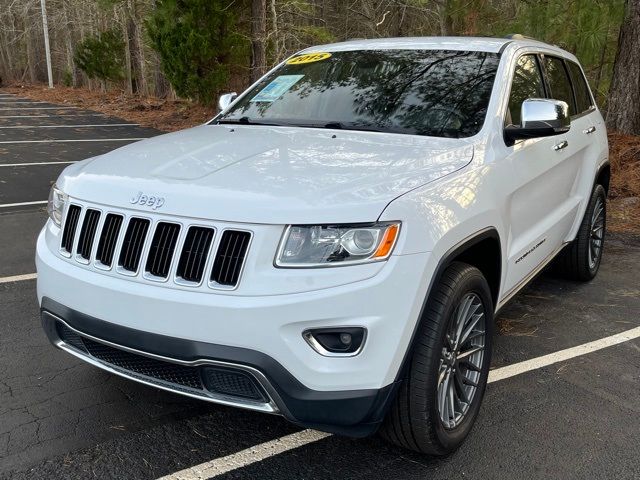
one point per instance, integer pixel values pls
(261, 174)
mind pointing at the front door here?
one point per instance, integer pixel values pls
(542, 206)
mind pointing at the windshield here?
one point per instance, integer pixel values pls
(421, 92)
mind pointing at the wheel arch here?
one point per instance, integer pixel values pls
(603, 176)
(482, 250)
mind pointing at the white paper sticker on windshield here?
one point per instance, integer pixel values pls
(276, 88)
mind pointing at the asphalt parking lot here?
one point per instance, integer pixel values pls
(558, 415)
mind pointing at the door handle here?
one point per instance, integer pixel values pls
(561, 145)
(589, 130)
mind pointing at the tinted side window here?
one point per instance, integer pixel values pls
(580, 86)
(527, 83)
(559, 82)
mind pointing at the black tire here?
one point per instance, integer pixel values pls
(576, 261)
(414, 420)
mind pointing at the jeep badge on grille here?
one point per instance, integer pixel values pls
(147, 200)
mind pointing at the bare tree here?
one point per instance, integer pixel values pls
(278, 28)
(258, 38)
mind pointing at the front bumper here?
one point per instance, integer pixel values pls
(261, 333)
(355, 412)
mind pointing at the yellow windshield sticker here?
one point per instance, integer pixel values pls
(308, 58)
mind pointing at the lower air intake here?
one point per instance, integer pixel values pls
(203, 380)
(232, 383)
(149, 367)
(70, 337)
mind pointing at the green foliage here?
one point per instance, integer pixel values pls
(101, 56)
(587, 28)
(67, 79)
(316, 34)
(197, 42)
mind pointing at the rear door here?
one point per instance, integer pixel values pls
(587, 140)
(562, 85)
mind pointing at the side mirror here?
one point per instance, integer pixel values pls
(540, 118)
(225, 100)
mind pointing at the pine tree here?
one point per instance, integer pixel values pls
(623, 108)
(101, 56)
(197, 42)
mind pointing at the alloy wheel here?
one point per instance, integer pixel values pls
(461, 361)
(596, 233)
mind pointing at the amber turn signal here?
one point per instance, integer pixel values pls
(388, 240)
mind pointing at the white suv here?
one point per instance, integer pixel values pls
(334, 245)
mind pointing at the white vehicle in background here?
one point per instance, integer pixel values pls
(334, 245)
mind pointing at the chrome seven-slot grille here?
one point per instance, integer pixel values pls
(124, 244)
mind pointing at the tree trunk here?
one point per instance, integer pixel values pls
(444, 16)
(258, 38)
(128, 70)
(31, 54)
(68, 42)
(6, 65)
(623, 109)
(143, 86)
(275, 33)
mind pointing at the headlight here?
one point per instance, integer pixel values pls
(55, 207)
(335, 245)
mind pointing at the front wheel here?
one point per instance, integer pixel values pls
(440, 396)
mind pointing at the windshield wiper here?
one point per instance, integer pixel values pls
(334, 125)
(241, 121)
(249, 121)
(352, 126)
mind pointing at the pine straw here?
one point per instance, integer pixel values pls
(624, 154)
(171, 115)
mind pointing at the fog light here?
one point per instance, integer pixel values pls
(338, 341)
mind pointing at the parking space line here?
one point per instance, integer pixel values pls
(268, 449)
(18, 278)
(34, 164)
(563, 355)
(22, 204)
(8, 142)
(73, 126)
(248, 456)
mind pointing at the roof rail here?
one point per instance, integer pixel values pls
(519, 36)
